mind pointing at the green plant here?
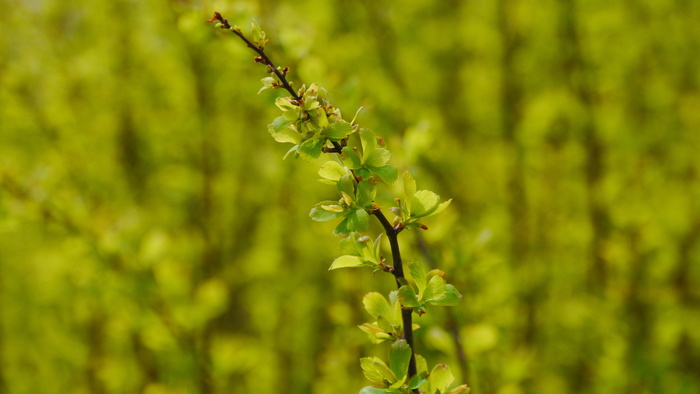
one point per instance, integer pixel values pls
(314, 126)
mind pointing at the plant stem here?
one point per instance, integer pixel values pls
(406, 313)
(260, 51)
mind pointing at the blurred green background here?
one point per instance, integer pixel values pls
(152, 240)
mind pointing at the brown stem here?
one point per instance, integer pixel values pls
(406, 313)
(260, 51)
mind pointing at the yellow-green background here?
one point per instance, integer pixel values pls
(152, 239)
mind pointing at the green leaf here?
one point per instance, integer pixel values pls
(376, 305)
(338, 130)
(399, 357)
(350, 245)
(332, 170)
(378, 158)
(258, 34)
(346, 184)
(366, 191)
(423, 202)
(450, 298)
(418, 380)
(376, 370)
(289, 110)
(386, 173)
(384, 323)
(441, 207)
(407, 297)
(311, 148)
(418, 274)
(357, 220)
(369, 142)
(347, 261)
(463, 389)
(294, 150)
(310, 104)
(351, 159)
(435, 289)
(279, 123)
(319, 214)
(373, 390)
(440, 378)
(286, 134)
(409, 188)
(363, 173)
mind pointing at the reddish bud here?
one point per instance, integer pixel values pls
(423, 226)
(216, 17)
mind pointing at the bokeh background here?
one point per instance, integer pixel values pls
(152, 239)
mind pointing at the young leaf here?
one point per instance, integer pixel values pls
(463, 389)
(311, 148)
(366, 191)
(357, 220)
(373, 390)
(450, 298)
(378, 158)
(386, 173)
(441, 207)
(319, 214)
(423, 202)
(338, 130)
(287, 134)
(376, 370)
(399, 357)
(369, 142)
(279, 123)
(418, 380)
(407, 297)
(346, 184)
(376, 305)
(347, 261)
(331, 170)
(418, 274)
(440, 378)
(370, 370)
(351, 159)
(435, 289)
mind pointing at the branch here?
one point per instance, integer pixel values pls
(391, 231)
(259, 50)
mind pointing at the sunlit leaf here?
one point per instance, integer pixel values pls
(399, 357)
(440, 378)
(378, 158)
(376, 305)
(422, 202)
(332, 170)
(351, 159)
(347, 261)
(408, 297)
(369, 142)
(338, 130)
(418, 274)
(386, 173)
